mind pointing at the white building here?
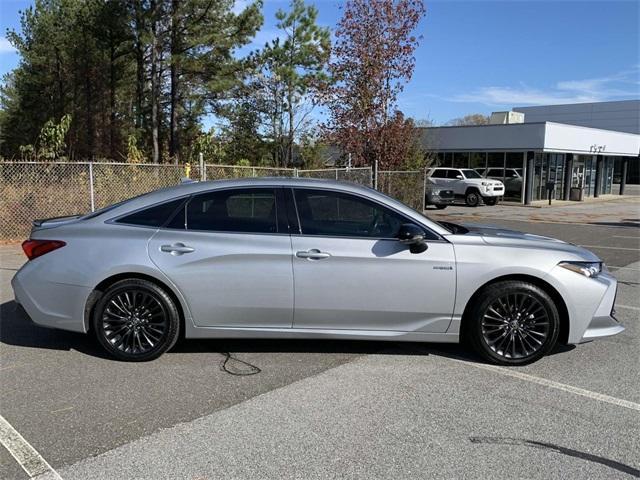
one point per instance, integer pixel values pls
(570, 155)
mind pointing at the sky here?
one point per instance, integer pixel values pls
(479, 56)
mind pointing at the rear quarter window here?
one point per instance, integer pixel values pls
(155, 216)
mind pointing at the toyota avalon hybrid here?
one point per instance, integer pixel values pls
(303, 258)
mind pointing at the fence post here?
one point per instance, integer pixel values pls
(375, 178)
(253, 171)
(91, 189)
(295, 172)
(336, 174)
(201, 163)
(424, 189)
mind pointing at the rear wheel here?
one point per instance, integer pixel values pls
(135, 320)
(472, 198)
(512, 323)
(491, 201)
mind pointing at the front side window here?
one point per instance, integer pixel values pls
(438, 173)
(328, 213)
(453, 174)
(468, 173)
(251, 210)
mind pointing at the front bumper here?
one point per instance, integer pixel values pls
(446, 197)
(604, 323)
(590, 304)
(492, 192)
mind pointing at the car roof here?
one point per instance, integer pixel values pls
(186, 189)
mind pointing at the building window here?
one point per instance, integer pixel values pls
(460, 160)
(478, 161)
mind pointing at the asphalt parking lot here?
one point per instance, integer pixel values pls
(300, 409)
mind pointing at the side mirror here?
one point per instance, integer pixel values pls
(459, 177)
(413, 236)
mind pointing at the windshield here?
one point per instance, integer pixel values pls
(468, 173)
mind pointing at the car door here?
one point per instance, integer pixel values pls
(229, 253)
(351, 273)
(439, 177)
(456, 182)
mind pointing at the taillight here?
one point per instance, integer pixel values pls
(36, 248)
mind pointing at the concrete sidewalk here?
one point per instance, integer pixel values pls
(619, 211)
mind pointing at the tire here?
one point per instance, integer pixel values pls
(491, 201)
(512, 323)
(135, 320)
(441, 207)
(472, 198)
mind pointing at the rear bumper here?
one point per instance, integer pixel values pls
(50, 304)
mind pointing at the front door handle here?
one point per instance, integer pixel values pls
(176, 249)
(313, 254)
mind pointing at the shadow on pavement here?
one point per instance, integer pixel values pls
(17, 329)
(625, 222)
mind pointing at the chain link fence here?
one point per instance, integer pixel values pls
(32, 190)
(408, 187)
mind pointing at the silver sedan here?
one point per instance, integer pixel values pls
(301, 258)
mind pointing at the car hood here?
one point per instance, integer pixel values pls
(502, 237)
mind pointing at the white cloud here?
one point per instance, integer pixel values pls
(5, 46)
(623, 84)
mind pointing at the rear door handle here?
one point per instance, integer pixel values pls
(176, 249)
(313, 254)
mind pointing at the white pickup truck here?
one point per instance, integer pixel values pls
(468, 184)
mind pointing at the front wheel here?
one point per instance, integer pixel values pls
(512, 323)
(136, 320)
(491, 201)
(472, 198)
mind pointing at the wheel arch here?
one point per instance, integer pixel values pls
(99, 289)
(563, 311)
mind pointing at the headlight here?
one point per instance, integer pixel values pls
(485, 184)
(588, 269)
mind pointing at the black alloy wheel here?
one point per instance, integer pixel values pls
(513, 323)
(136, 320)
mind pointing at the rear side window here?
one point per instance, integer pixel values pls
(439, 174)
(155, 216)
(252, 210)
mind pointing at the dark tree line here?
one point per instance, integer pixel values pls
(147, 69)
(132, 79)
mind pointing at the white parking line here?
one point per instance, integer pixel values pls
(551, 384)
(627, 306)
(27, 456)
(625, 236)
(609, 248)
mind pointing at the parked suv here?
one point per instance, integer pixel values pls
(512, 178)
(468, 184)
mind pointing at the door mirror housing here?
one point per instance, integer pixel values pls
(413, 236)
(459, 177)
